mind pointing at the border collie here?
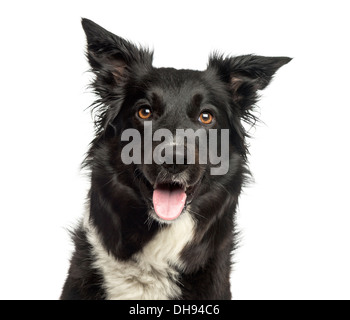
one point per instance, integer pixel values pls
(159, 222)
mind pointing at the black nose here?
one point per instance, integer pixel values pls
(175, 159)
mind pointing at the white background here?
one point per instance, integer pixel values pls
(295, 218)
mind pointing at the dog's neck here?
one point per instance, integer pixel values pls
(152, 272)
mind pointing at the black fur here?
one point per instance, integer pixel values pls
(120, 194)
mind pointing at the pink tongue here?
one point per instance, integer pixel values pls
(167, 203)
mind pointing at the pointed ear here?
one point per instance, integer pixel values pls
(246, 74)
(110, 56)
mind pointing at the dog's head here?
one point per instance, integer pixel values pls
(172, 138)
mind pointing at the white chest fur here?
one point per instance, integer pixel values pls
(150, 273)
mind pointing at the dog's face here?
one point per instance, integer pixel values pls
(173, 99)
(152, 105)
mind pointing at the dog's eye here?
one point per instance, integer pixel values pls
(206, 117)
(145, 113)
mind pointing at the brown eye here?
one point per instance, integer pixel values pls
(145, 113)
(206, 117)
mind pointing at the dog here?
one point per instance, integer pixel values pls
(153, 229)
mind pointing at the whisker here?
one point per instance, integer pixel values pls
(108, 182)
(196, 213)
(149, 222)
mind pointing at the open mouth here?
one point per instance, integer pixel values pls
(170, 199)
